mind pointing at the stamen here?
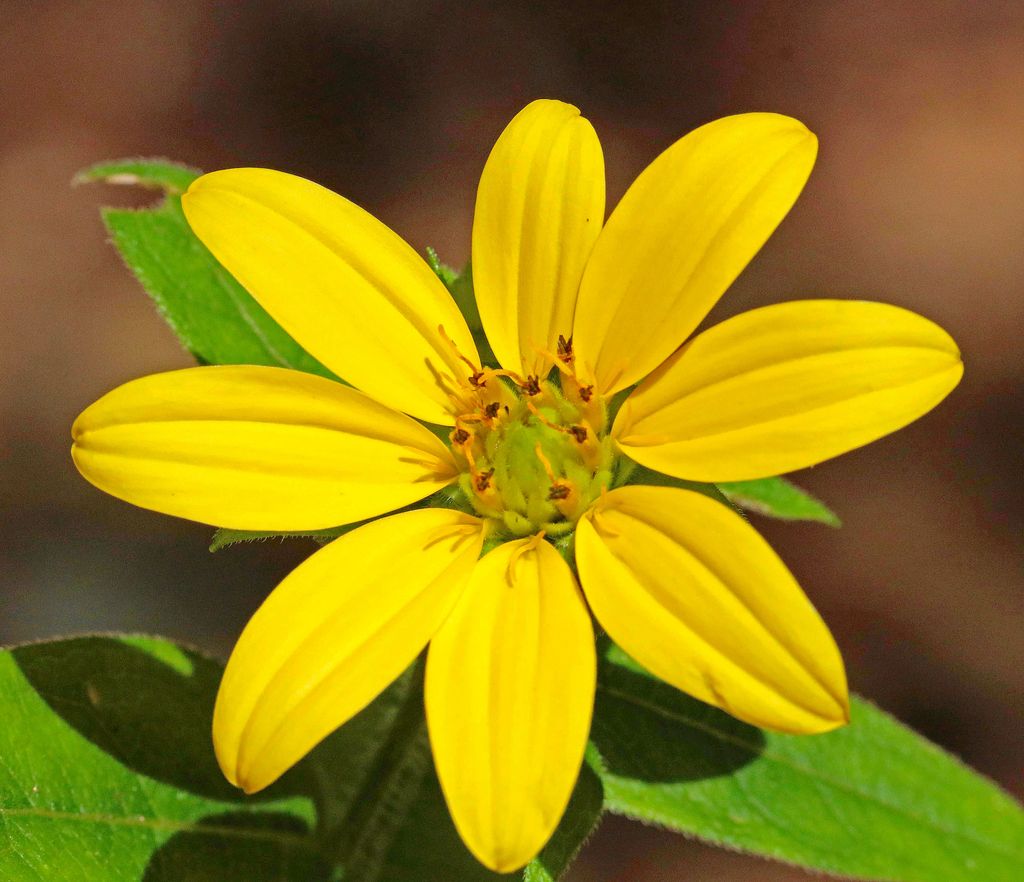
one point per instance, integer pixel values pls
(591, 406)
(557, 360)
(563, 493)
(461, 440)
(578, 432)
(455, 349)
(475, 382)
(531, 387)
(487, 373)
(512, 375)
(482, 485)
(544, 419)
(487, 393)
(546, 463)
(454, 390)
(471, 418)
(482, 480)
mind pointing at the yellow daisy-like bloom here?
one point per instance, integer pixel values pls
(575, 312)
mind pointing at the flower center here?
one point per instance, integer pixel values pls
(535, 453)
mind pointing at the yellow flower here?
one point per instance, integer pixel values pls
(575, 312)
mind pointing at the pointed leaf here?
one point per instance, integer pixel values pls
(871, 800)
(213, 316)
(225, 537)
(779, 498)
(107, 773)
(444, 272)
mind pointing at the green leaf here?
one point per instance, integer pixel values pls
(157, 174)
(444, 272)
(447, 497)
(215, 318)
(465, 297)
(107, 774)
(225, 537)
(778, 498)
(871, 800)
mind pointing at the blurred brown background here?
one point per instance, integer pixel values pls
(917, 199)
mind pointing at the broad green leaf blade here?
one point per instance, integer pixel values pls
(779, 498)
(107, 773)
(214, 317)
(872, 800)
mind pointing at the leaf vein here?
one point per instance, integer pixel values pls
(290, 840)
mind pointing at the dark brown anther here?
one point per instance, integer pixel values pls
(565, 349)
(559, 491)
(579, 433)
(531, 386)
(460, 436)
(491, 411)
(483, 480)
(586, 393)
(477, 380)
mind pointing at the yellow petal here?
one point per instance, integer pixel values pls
(334, 634)
(509, 693)
(787, 386)
(256, 448)
(693, 593)
(539, 208)
(346, 287)
(684, 230)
